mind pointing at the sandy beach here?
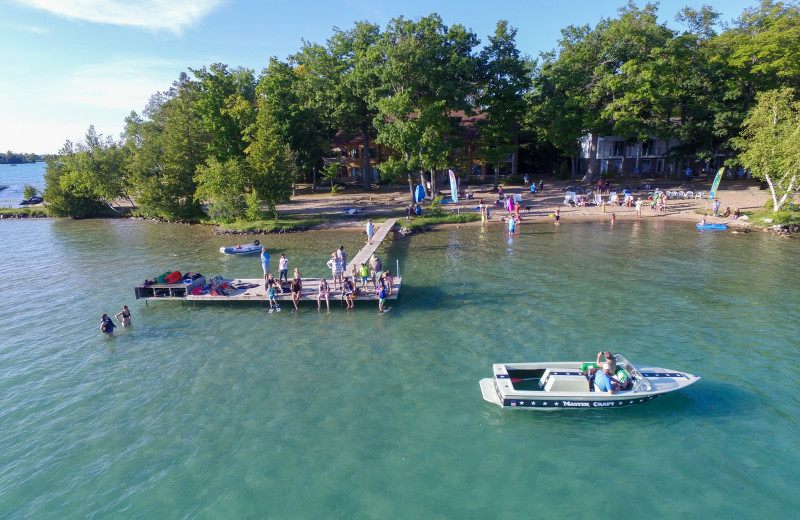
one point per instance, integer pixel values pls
(535, 208)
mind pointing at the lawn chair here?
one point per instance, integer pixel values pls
(613, 199)
(698, 195)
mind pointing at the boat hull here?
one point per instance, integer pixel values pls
(554, 386)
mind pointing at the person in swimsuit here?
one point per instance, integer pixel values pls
(296, 287)
(124, 317)
(324, 292)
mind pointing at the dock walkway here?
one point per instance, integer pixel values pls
(362, 257)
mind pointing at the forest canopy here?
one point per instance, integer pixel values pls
(229, 143)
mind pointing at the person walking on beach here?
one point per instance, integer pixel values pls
(124, 316)
(265, 262)
(283, 267)
(639, 207)
(558, 215)
(370, 231)
(106, 325)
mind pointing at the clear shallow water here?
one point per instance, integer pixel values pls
(223, 410)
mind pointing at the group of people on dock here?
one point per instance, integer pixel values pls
(347, 284)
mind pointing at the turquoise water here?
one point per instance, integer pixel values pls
(225, 411)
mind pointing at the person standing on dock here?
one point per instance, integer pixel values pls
(283, 267)
(370, 231)
(265, 262)
(335, 265)
(375, 269)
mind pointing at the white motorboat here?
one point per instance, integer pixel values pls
(549, 386)
(244, 249)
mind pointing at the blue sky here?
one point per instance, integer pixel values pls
(68, 64)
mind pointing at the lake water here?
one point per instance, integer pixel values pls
(226, 411)
(16, 177)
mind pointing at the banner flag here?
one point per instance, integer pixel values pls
(453, 186)
(716, 183)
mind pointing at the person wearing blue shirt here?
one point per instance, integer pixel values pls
(511, 225)
(603, 381)
(265, 262)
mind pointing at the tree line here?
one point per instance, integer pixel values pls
(230, 143)
(17, 158)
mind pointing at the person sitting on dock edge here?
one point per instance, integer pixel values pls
(296, 287)
(324, 292)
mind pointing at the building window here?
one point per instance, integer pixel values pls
(354, 153)
(618, 149)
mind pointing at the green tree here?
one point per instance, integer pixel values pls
(344, 74)
(224, 186)
(164, 152)
(272, 163)
(283, 92)
(501, 99)
(85, 178)
(225, 103)
(768, 143)
(427, 74)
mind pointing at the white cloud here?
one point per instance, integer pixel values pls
(170, 15)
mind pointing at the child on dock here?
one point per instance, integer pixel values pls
(273, 303)
(364, 275)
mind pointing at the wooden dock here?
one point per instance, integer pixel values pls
(253, 289)
(362, 257)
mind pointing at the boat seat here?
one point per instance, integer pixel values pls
(564, 381)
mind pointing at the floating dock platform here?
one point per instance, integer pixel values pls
(253, 289)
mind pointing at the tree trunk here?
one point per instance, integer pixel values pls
(496, 175)
(314, 180)
(365, 175)
(365, 166)
(411, 187)
(591, 169)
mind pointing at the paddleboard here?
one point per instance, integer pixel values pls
(711, 226)
(419, 193)
(384, 311)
